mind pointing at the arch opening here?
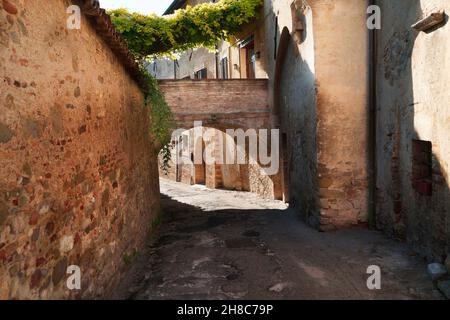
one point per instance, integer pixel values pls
(285, 40)
(222, 158)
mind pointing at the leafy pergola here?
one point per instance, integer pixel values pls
(201, 25)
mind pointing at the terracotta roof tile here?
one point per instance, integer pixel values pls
(101, 22)
(176, 4)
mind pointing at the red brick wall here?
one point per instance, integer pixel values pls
(216, 96)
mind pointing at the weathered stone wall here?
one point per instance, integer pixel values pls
(318, 89)
(412, 104)
(220, 104)
(78, 180)
(341, 68)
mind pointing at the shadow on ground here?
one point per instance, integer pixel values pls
(264, 254)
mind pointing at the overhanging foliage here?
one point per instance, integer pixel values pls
(152, 35)
(201, 25)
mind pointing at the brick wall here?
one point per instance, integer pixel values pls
(209, 97)
(222, 104)
(78, 181)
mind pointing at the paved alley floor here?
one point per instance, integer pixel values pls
(215, 244)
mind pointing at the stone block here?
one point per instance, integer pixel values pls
(3, 212)
(324, 204)
(430, 21)
(325, 183)
(9, 7)
(444, 288)
(436, 271)
(6, 134)
(447, 263)
(332, 194)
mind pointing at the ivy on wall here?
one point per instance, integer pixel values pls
(152, 35)
(202, 25)
(161, 119)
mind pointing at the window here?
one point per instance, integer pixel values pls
(422, 167)
(201, 74)
(224, 68)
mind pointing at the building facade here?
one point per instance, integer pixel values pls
(239, 58)
(412, 123)
(362, 113)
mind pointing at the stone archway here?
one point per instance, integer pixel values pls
(283, 45)
(227, 104)
(194, 148)
(283, 185)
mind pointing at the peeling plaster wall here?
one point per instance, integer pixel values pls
(187, 64)
(78, 180)
(413, 96)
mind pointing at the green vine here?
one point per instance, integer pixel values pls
(202, 25)
(151, 35)
(161, 115)
(161, 119)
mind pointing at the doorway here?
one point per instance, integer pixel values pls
(248, 58)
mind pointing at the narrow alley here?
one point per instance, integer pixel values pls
(216, 244)
(224, 150)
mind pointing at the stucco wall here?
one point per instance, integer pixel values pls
(78, 180)
(412, 103)
(186, 65)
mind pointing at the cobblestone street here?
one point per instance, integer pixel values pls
(215, 244)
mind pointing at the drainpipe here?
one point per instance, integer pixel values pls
(372, 123)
